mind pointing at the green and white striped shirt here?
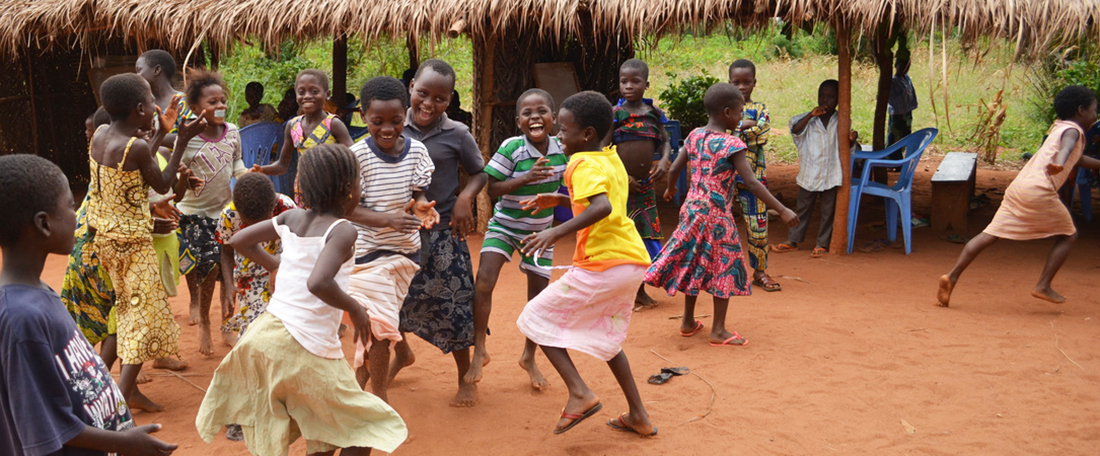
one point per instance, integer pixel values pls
(513, 160)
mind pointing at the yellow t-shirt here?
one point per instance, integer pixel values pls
(614, 240)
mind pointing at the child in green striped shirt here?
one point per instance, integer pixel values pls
(523, 167)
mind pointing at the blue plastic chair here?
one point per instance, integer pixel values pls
(357, 133)
(258, 141)
(897, 196)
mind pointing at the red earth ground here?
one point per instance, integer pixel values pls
(852, 357)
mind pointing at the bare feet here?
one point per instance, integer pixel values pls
(142, 378)
(538, 382)
(229, 338)
(194, 318)
(466, 395)
(402, 357)
(576, 406)
(206, 346)
(642, 300)
(1048, 294)
(943, 295)
(138, 401)
(170, 364)
(481, 359)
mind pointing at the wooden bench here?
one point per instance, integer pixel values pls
(952, 187)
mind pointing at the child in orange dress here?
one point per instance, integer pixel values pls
(1031, 208)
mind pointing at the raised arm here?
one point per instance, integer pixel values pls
(285, 154)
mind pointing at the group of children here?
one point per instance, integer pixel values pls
(377, 231)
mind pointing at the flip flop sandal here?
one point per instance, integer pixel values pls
(577, 417)
(619, 424)
(819, 252)
(873, 246)
(767, 284)
(667, 373)
(955, 238)
(783, 248)
(698, 327)
(732, 338)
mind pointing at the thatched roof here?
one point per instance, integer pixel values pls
(1035, 24)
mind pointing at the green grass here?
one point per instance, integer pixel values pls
(788, 85)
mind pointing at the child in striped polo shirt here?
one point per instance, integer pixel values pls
(523, 167)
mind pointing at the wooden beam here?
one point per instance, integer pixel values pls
(414, 51)
(339, 68)
(457, 28)
(839, 244)
(484, 102)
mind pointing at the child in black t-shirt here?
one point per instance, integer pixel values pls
(56, 395)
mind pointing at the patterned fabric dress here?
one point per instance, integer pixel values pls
(704, 253)
(86, 290)
(120, 215)
(752, 209)
(321, 134)
(253, 281)
(641, 206)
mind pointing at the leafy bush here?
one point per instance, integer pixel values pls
(683, 99)
(1075, 66)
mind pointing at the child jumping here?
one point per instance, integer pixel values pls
(313, 127)
(1031, 208)
(287, 377)
(704, 254)
(394, 170)
(123, 168)
(589, 308)
(524, 166)
(638, 134)
(56, 396)
(819, 175)
(753, 129)
(214, 156)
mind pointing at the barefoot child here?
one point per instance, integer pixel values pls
(287, 377)
(313, 127)
(638, 134)
(1031, 209)
(56, 395)
(440, 304)
(394, 170)
(753, 129)
(704, 253)
(819, 176)
(123, 169)
(589, 308)
(524, 166)
(215, 156)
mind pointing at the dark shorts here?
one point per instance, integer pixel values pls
(200, 251)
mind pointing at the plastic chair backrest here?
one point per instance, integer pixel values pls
(258, 142)
(357, 133)
(675, 135)
(914, 145)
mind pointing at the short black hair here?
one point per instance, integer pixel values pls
(122, 93)
(199, 80)
(254, 86)
(590, 109)
(1068, 100)
(383, 88)
(254, 196)
(535, 92)
(636, 64)
(100, 117)
(829, 83)
(326, 176)
(720, 96)
(318, 74)
(440, 67)
(157, 57)
(743, 63)
(30, 184)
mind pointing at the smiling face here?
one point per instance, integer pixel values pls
(573, 137)
(429, 95)
(385, 122)
(311, 95)
(535, 118)
(1087, 115)
(744, 80)
(214, 101)
(632, 84)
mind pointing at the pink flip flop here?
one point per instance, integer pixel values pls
(732, 338)
(698, 327)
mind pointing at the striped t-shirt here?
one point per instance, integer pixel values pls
(388, 184)
(513, 160)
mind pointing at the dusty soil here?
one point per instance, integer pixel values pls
(852, 357)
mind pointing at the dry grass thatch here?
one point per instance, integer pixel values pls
(25, 24)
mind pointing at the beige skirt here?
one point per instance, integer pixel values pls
(278, 391)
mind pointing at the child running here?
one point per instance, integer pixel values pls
(589, 308)
(56, 397)
(123, 169)
(639, 133)
(1031, 208)
(215, 157)
(524, 166)
(394, 171)
(313, 127)
(753, 130)
(704, 254)
(287, 377)
(440, 305)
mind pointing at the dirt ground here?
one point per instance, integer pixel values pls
(852, 357)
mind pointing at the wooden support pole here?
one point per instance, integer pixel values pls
(839, 244)
(484, 102)
(414, 51)
(339, 68)
(34, 109)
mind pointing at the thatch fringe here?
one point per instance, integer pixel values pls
(1036, 25)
